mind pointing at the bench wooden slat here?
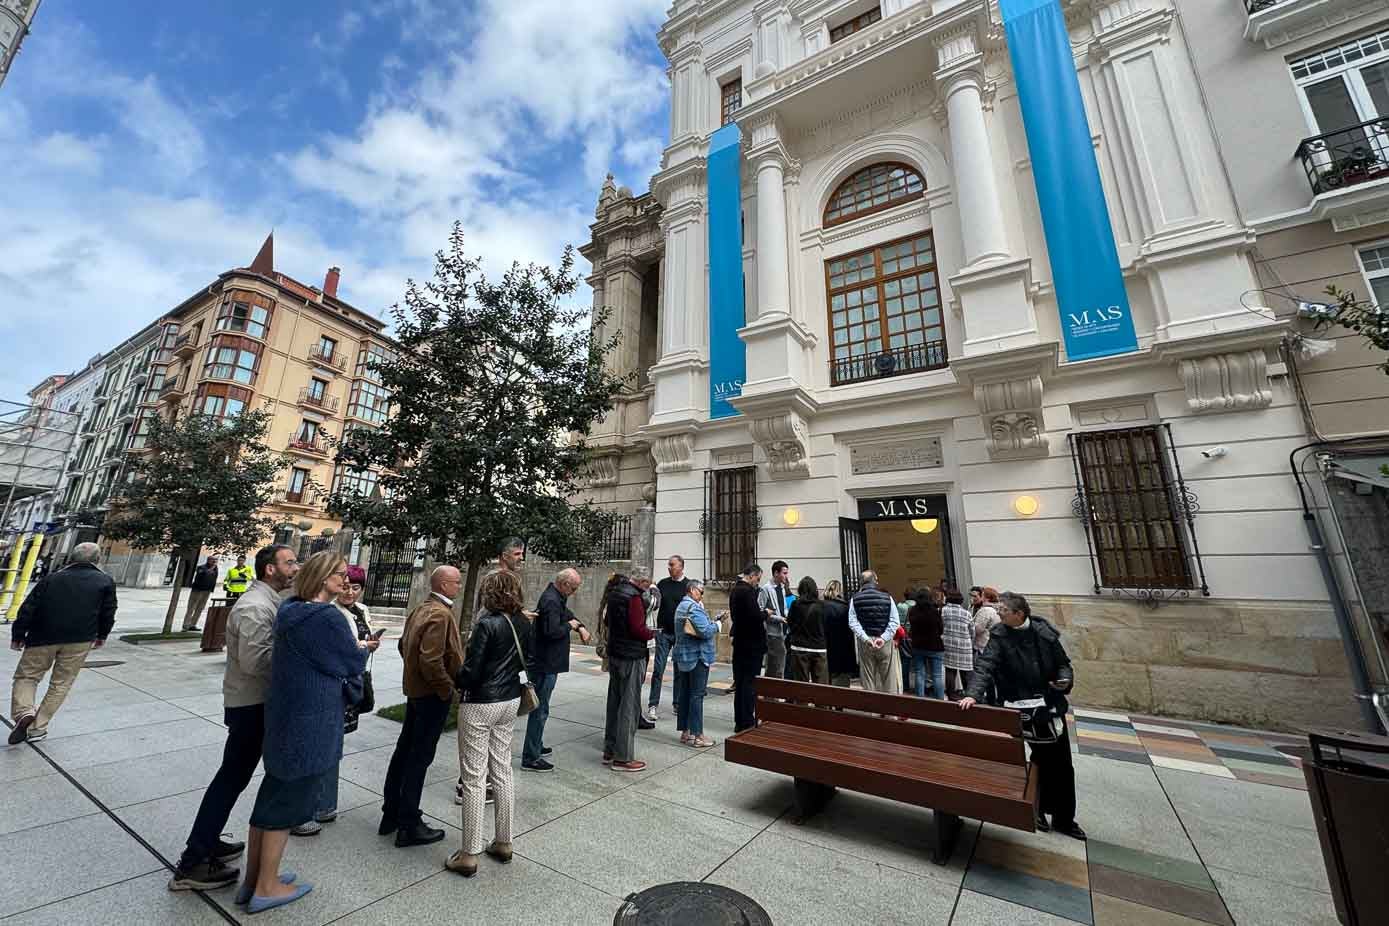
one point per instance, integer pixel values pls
(842, 769)
(990, 719)
(992, 747)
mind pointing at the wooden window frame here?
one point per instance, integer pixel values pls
(226, 392)
(226, 315)
(239, 343)
(856, 24)
(880, 281)
(728, 90)
(827, 222)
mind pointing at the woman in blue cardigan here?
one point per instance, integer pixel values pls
(694, 654)
(315, 675)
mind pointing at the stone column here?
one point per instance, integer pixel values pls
(644, 534)
(961, 79)
(773, 268)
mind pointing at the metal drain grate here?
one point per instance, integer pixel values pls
(690, 903)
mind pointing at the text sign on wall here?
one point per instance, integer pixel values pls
(727, 354)
(902, 506)
(917, 453)
(1090, 294)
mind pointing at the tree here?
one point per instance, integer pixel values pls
(203, 483)
(1363, 317)
(491, 393)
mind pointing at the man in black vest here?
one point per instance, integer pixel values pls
(625, 614)
(874, 621)
(749, 644)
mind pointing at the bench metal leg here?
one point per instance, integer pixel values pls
(811, 797)
(947, 831)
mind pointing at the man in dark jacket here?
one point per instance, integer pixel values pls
(672, 591)
(625, 614)
(549, 657)
(749, 644)
(204, 581)
(66, 615)
(1025, 660)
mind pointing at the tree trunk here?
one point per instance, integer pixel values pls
(465, 616)
(178, 588)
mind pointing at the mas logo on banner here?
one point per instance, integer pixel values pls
(727, 354)
(1095, 316)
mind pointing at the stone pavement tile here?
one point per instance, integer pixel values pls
(1030, 860)
(882, 831)
(134, 781)
(1256, 901)
(591, 711)
(1280, 853)
(1131, 756)
(1064, 900)
(40, 800)
(1149, 864)
(367, 768)
(1188, 765)
(520, 892)
(557, 732)
(1051, 843)
(1203, 905)
(976, 909)
(1205, 797)
(806, 885)
(628, 842)
(1111, 911)
(20, 762)
(146, 900)
(1277, 781)
(1124, 803)
(100, 697)
(735, 792)
(371, 732)
(208, 705)
(90, 749)
(79, 722)
(64, 859)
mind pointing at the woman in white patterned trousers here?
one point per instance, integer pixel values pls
(490, 682)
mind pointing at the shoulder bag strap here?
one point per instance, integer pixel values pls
(520, 653)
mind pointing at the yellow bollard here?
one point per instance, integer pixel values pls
(12, 572)
(27, 571)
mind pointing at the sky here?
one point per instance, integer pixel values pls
(149, 145)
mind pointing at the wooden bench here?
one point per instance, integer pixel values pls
(957, 763)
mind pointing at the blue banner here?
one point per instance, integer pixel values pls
(1090, 295)
(727, 358)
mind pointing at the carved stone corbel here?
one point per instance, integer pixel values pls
(673, 453)
(1226, 382)
(603, 469)
(1011, 411)
(785, 439)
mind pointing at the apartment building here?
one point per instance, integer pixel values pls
(978, 292)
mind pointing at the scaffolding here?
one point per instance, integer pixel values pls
(35, 445)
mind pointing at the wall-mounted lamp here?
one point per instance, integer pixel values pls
(1026, 505)
(791, 517)
(925, 525)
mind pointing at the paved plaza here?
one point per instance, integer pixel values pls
(1188, 823)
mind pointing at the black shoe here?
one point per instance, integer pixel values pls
(387, 827)
(21, 727)
(228, 850)
(539, 765)
(204, 876)
(545, 750)
(1071, 829)
(417, 835)
(1042, 825)
(644, 724)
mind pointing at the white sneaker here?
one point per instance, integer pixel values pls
(312, 828)
(653, 714)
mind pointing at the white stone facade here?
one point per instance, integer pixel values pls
(930, 86)
(15, 19)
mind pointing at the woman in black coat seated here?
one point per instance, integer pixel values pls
(1025, 660)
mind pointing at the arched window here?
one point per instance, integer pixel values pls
(876, 187)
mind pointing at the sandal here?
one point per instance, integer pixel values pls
(703, 742)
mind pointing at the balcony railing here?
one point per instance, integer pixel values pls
(303, 497)
(328, 360)
(185, 345)
(314, 446)
(903, 360)
(1253, 6)
(171, 390)
(324, 401)
(1347, 157)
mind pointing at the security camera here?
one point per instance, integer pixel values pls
(1214, 453)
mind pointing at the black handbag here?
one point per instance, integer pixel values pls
(1040, 722)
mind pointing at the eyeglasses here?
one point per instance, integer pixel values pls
(340, 575)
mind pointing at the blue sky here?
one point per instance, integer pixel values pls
(150, 144)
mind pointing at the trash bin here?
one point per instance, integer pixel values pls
(215, 625)
(1348, 783)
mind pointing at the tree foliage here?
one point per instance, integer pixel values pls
(203, 483)
(1365, 318)
(494, 386)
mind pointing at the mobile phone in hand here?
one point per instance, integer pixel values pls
(379, 634)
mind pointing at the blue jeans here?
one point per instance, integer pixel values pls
(936, 661)
(689, 705)
(535, 722)
(664, 642)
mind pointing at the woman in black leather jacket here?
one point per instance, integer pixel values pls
(1024, 659)
(490, 682)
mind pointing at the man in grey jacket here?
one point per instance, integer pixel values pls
(776, 598)
(250, 633)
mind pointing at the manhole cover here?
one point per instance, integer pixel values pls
(690, 903)
(102, 664)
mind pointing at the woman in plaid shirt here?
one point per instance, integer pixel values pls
(958, 637)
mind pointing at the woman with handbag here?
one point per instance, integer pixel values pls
(314, 677)
(493, 697)
(693, 655)
(1025, 661)
(806, 635)
(348, 602)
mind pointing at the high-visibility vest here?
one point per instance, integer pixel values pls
(237, 580)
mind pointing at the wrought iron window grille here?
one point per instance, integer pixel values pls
(730, 522)
(1138, 514)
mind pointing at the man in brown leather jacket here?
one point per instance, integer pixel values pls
(433, 654)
